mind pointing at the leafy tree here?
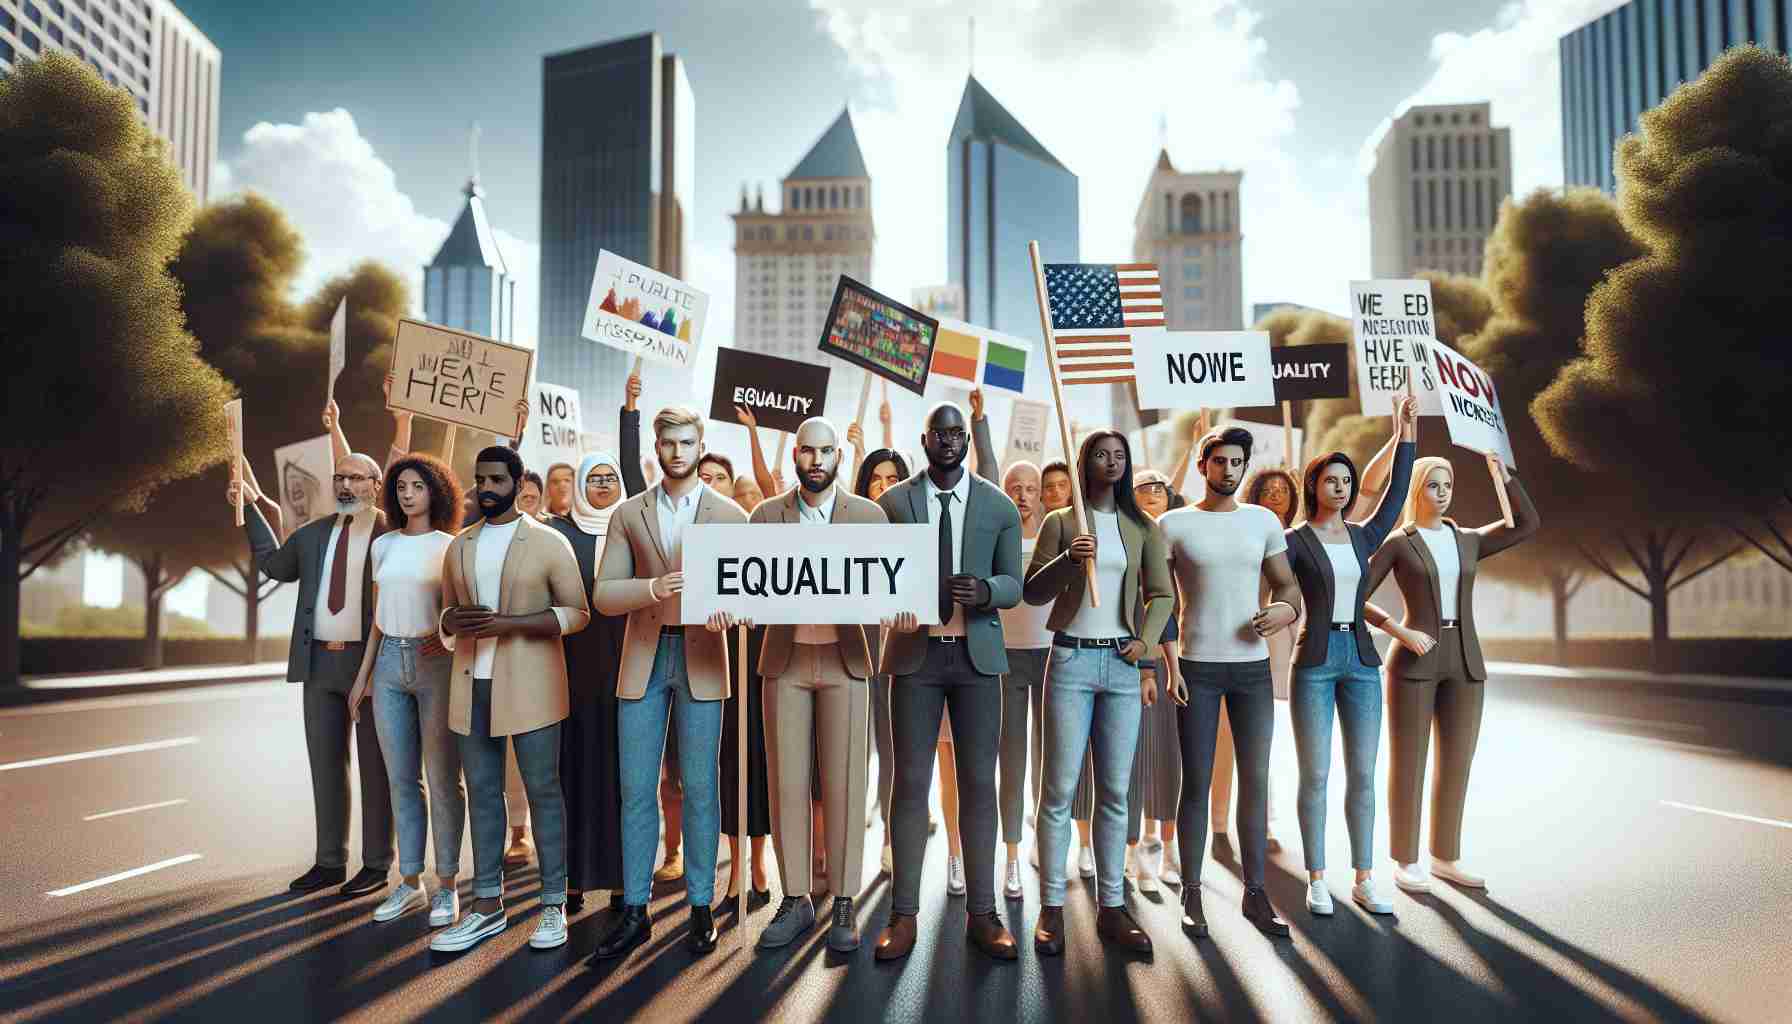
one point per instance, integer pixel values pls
(105, 398)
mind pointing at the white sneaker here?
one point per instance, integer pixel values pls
(444, 908)
(550, 931)
(955, 875)
(888, 861)
(1172, 872)
(1085, 863)
(1011, 887)
(473, 929)
(1370, 898)
(1450, 872)
(1412, 878)
(403, 900)
(1319, 898)
(1146, 876)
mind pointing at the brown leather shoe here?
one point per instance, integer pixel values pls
(1117, 926)
(897, 939)
(1048, 933)
(1258, 911)
(988, 934)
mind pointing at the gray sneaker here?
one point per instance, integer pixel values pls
(843, 934)
(795, 916)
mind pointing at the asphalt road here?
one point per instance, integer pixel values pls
(1637, 841)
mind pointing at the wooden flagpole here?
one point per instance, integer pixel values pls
(864, 400)
(1499, 488)
(233, 421)
(1051, 363)
(740, 803)
(1288, 437)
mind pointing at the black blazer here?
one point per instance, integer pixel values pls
(1313, 568)
(301, 559)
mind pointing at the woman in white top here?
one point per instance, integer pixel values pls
(406, 669)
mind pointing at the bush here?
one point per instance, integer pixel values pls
(123, 621)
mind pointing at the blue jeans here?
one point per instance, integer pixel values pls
(538, 762)
(643, 728)
(410, 711)
(1354, 689)
(1091, 700)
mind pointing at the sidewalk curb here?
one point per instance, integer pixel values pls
(51, 689)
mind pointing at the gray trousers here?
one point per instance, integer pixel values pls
(327, 737)
(886, 749)
(1025, 678)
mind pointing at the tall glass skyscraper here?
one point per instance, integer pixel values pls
(1003, 190)
(1619, 65)
(618, 172)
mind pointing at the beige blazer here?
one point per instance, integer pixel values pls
(633, 558)
(529, 672)
(854, 645)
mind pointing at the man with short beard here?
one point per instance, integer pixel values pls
(329, 558)
(666, 673)
(817, 697)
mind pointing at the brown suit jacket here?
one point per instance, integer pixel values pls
(1406, 556)
(634, 556)
(1054, 577)
(529, 672)
(855, 642)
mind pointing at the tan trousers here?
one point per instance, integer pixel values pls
(815, 707)
(1450, 706)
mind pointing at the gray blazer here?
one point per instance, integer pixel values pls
(301, 559)
(991, 552)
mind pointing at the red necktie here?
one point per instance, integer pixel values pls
(339, 570)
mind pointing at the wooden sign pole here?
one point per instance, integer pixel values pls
(1051, 363)
(1499, 488)
(1288, 437)
(740, 802)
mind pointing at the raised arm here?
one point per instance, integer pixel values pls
(987, 467)
(628, 441)
(762, 474)
(401, 429)
(276, 561)
(1497, 536)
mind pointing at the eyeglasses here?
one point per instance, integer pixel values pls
(606, 480)
(351, 478)
(946, 436)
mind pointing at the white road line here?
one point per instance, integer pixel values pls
(135, 748)
(133, 810)
(1774, 822)
(122, 875)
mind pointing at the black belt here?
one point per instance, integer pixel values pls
(672, 631)
(946, 638)
(1344, 627)
(1450, 624)
(1079, 642)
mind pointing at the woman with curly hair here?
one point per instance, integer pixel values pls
(406, 669)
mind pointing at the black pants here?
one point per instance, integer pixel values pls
(328, 736)
(946, 679)
(1250, 704)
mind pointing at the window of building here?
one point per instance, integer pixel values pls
(1462, 151)
(1446, 149)
(859, 195)
(1462, 203)
(1493, 151)
(55, 31)
(1474, 119)
(1191, 271)
(808, 233)
(1431, 153)
(1455, 118)
(6, 51)
(7, 21)
(32, 40)
(1418, 247)
(56, 7)
(1417, 212)
(1415, 153)
(1418, 119)
(1190, 209)
(1431, 203)
(834, 198)
(1193, 291)
(36, 16)
(1191, 251)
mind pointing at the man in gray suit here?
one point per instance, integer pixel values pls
(957, 665)
(331, 561)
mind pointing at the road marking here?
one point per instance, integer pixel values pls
(133, 810)
(1729, 814)
(122, 875)
(135, 748)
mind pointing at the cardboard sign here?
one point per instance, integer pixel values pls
(554, 427)
(1192, 369)
(940, 300)
(1028, 426)
(459, 378)
(338, 345)
(302, 481)
(781, 393)
(1395, 330)
(1471, 405)
(874, 331)
(1311, 371)
(789, 573)
(643, 312)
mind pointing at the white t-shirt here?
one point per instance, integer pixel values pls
(489, 549)
(1442, 542)
(408, 572)
(1110, 575)
(1346, 573)
(1024, 625)
(1218, 561)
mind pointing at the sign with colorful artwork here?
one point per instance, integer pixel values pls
(643, 312)
(874, 331)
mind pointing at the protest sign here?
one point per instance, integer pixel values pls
(783, 573)
(555, 425)
(302, 476)
(967, 356)
(459, 378)
(1471, 406)
(1270, 444)
(1027, 426)
(338, 345)
(956, 352)
(874, 331)
(1395, 330)
(1311, 371)
(1194, 369)
(643, 312)
(780, 393)
(940, 300)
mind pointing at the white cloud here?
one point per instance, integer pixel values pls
(1514, 64)
(346, 203)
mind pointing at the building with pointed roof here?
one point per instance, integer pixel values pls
(1188, 223)
(468, 286)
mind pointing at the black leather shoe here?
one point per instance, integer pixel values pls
(1048, 932)
(318, 878)
(1194, 922)
(1117, 926)
(575, 902)
(703, 931)
(365, 881)
(632, 929)
(1258, 911)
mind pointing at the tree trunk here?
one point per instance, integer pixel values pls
(1558, 592)
(153, 590)
(10, 557)
(1659, 641)
(251, 612)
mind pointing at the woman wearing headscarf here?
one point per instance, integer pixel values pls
(589, 770)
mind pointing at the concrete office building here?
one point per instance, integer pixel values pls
(145, 47)
(1434, 194)
(1188, 224)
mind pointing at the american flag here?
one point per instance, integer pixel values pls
(1096, 309)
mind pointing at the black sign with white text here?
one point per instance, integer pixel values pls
(1311, 371)
(781, 393)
